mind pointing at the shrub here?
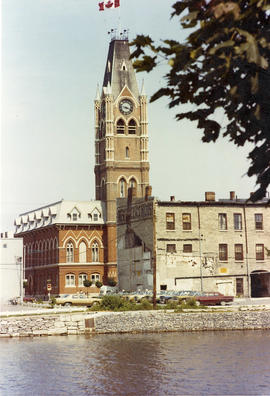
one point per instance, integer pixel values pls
(112, 282)
(53, 301)
(145, 304)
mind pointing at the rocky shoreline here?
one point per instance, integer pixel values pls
(134, 322)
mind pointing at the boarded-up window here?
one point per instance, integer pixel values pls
(171, 248)
(170, 223)
(187, 248)
(186, 221)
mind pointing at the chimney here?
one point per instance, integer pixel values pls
(172, 198)
(148, 192)
(232, 195)
(210, 196)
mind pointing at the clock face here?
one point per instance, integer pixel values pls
(126, 106)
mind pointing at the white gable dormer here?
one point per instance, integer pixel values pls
(74, 214)
(95, 215)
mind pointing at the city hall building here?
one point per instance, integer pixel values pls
(211, 245)
(69, 241)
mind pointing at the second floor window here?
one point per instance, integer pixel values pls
(237, 221)
(70, 253)
(238, 251)
(223, 252)
(258, 221)
(222, 221)
(170, 224)
(95, 252)
(186, 221)
(259, 251)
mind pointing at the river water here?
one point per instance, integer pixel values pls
(201, 363)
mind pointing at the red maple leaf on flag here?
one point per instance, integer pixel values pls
(109, 4)
(101, 6)
(116, 3)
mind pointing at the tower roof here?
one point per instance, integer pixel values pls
(119, 69)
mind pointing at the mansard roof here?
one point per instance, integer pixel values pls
(61, 212)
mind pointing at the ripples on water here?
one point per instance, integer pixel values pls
(203, 363)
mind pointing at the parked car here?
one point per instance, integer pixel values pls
(214, 298)
(78, 299)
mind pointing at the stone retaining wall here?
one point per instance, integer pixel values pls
(126, 322)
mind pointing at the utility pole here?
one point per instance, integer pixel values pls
(154, 259)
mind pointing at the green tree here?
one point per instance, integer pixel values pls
(223, 64)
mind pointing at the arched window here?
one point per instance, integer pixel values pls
(132, 127)
(70, 253)
(133, 184)
(70, 280)
(95, 252)
(120, 126)
(122, 188)
(55, 251)
(127, 152)
(95, 277)
(82, 278)
(82, 252)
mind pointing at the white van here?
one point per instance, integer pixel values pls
(108, 290)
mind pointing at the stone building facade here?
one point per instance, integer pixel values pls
(209, 245)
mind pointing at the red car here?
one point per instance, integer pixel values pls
(213, 298)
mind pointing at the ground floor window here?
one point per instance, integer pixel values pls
(95, 277)
(70, 280)
(82, 278)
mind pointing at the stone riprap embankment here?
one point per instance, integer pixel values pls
(131, 322)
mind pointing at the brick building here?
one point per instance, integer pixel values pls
(64, 244)
(208, 245)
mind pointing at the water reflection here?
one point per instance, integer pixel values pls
(138, 364)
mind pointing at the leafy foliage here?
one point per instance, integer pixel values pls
(224, 63)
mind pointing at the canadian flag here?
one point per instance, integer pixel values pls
(103, 5)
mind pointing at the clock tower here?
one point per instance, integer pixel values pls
(121, 135)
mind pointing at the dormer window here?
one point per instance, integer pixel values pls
(74, 217)
(95, 217)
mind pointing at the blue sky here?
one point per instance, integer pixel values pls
(53, 56)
